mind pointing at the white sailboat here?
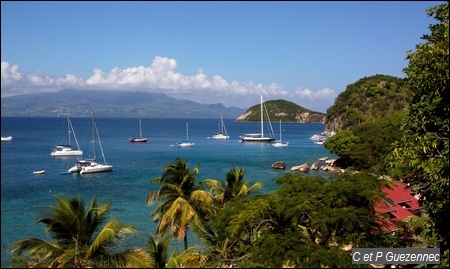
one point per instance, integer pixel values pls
(280, 143)
(88, 166)
(6, 138)
(65, 150)
(259, 137)
(186, 143)
(140, 139)
(222, 134)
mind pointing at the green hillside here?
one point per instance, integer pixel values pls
(369, 98)
(284, 110)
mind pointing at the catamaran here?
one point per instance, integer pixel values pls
(222, 134)
(88, 166)
(65, 150)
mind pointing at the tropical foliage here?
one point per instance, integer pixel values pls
(423, 150)
(366, 146)
(306, 222)
(366, 100)
(183, 202)
(79, 240)
(235, 186)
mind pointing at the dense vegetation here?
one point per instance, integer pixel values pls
(283, 110)
(411, 144)
(423, 150)
(366, 100)
(308, 221)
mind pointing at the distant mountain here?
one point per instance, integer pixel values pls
(108, 103)
(284, 110)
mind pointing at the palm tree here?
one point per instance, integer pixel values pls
(158, 250)
(183, 202)
(234, 186)
(79, 241)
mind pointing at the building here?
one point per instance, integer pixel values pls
(398, 204)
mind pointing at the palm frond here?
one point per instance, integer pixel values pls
(113, 231)
(132, 258)
(177, 218)
(151, 198)
(36, 248)
(190, 258)
(158, 250)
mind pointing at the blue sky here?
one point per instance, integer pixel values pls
(208, 52)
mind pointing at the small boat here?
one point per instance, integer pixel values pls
(222, 134)
(320, 141)
(38, 172)
(316, 137)
(6, 138)
(278, 165)
(140, 139)
(63, 150)
(280, 143)
(88, 166)
(186, 143)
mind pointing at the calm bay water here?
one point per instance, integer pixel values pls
(25, 195)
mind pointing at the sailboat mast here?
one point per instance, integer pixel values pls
(140, 128)
(262, 124)
(68, 127)
(94, 137)
(187, 131)
(281, 140)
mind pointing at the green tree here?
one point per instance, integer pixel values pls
(78, 239)
(306, 222)
(424, 149)
(183, 203)
(235, 186)
(366, 146)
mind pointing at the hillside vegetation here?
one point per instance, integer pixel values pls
(366, 100)
(283, 110)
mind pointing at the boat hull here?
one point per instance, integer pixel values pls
(66, 152)
(138, 140)
(255, 138)
(6, 139)
(96, 168)
(280, 144)
(186, 144)
(220, 136)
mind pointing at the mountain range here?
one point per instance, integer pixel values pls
(112, 104)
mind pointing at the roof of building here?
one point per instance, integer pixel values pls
(399, 203)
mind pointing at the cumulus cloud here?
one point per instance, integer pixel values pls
(160, 76)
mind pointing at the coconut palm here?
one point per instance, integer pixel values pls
(79, 240)
(158, 250)
(234, 186)
(183, 202)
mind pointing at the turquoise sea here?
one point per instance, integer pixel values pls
(25, 195)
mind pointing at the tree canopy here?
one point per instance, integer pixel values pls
(423, 150)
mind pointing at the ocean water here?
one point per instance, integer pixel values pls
(24, 195)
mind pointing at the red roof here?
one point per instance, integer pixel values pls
(400, 193)
(399, 204)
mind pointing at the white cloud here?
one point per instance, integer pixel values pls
(160, 76)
